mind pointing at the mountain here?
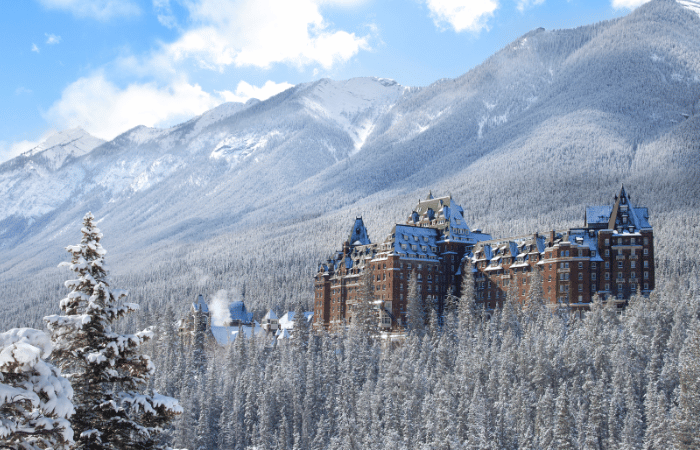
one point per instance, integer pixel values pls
(254, 194)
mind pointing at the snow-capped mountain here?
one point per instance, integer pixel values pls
(555, 120)
(54, 151)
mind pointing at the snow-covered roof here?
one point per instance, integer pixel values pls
(602, 216)
(418, 241)
(239, 313)
(270, 316)
(287, 320)
(200, 304)
(598, 214)
(283, 334)
(226, 335)
(358, 233)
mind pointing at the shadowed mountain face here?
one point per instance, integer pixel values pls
(554, 121)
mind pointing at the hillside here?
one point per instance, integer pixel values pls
(254, 194)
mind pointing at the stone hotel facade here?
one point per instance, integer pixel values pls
(612, 255)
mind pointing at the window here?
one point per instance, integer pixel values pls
(646, 274)
(594, 266)
(646, 264)
(632, 241)
(646, 241)
(607, 264)
(619, 288)
(607, 275)
(619, 241)
(566, 253)
(607, 242)
(646, 251)
(646, 286)
(580, 253)
(607, 286)
(619, 264)
(580, 287)
(593, 287)
(580, 265)
(580, 276)
(620, 275)
(633, 264)
(592, 276)
(607, 252)
(619, 251)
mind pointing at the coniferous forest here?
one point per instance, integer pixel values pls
(556, 121)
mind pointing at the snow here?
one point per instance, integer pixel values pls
(287, 321)
(168, 403)
(226, 335)
(68, 143)
(36, 338)
(234, 149)
(353, 104)
(692, 5)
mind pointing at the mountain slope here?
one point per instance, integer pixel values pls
(556, 120)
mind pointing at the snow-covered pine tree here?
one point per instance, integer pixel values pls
(467, 306)
(107, 370)
(363, 316)
(35, 400)
(415, 313)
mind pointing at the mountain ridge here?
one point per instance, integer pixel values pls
(553, 121)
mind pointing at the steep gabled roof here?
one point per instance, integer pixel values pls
(358, 233)
(200, 304)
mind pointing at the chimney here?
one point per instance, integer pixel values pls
(551, 236)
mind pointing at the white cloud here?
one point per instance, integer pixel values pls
(260, 33)
(35, 48)
(22, 90)
(246, 91)
(524, 4)
(627, 4)
(462, 15)
(164, 13)
(52, 39)
(96, 9)
(104, 110)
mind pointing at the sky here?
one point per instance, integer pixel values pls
(110, 65)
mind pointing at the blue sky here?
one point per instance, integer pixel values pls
(109, 65)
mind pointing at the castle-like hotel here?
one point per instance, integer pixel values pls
(612, 256)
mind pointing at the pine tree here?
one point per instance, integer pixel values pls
(415, 313)
(687, 412)
(35, 400)
(467, 306)
(363, 318)
(107, 370)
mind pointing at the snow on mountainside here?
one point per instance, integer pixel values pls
(693, 5)
(69, 143)
(353, 104)
(555, 120)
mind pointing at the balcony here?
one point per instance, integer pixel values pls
(619, 257)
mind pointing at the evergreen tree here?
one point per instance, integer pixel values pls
(364, 319)
(467, 306)
(107, 370)
(415, 313)
(687, 412)
(35, 400)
